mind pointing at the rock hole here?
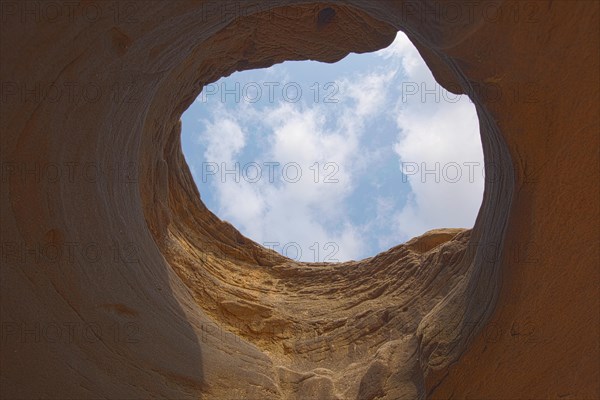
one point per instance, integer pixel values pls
(333, 162)
(325, 17)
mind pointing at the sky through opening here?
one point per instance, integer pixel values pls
(333, 162)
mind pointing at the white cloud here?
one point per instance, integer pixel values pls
(369, 91)
(224, 138)
(308, 213)
(313, 216)
(441, 136)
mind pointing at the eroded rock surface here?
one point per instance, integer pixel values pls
(152, 296)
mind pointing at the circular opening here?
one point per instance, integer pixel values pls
(332, 162)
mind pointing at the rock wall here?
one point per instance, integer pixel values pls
(117, 282)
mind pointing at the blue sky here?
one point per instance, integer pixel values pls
(332, 162)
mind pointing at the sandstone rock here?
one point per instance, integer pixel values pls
(152, 296)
